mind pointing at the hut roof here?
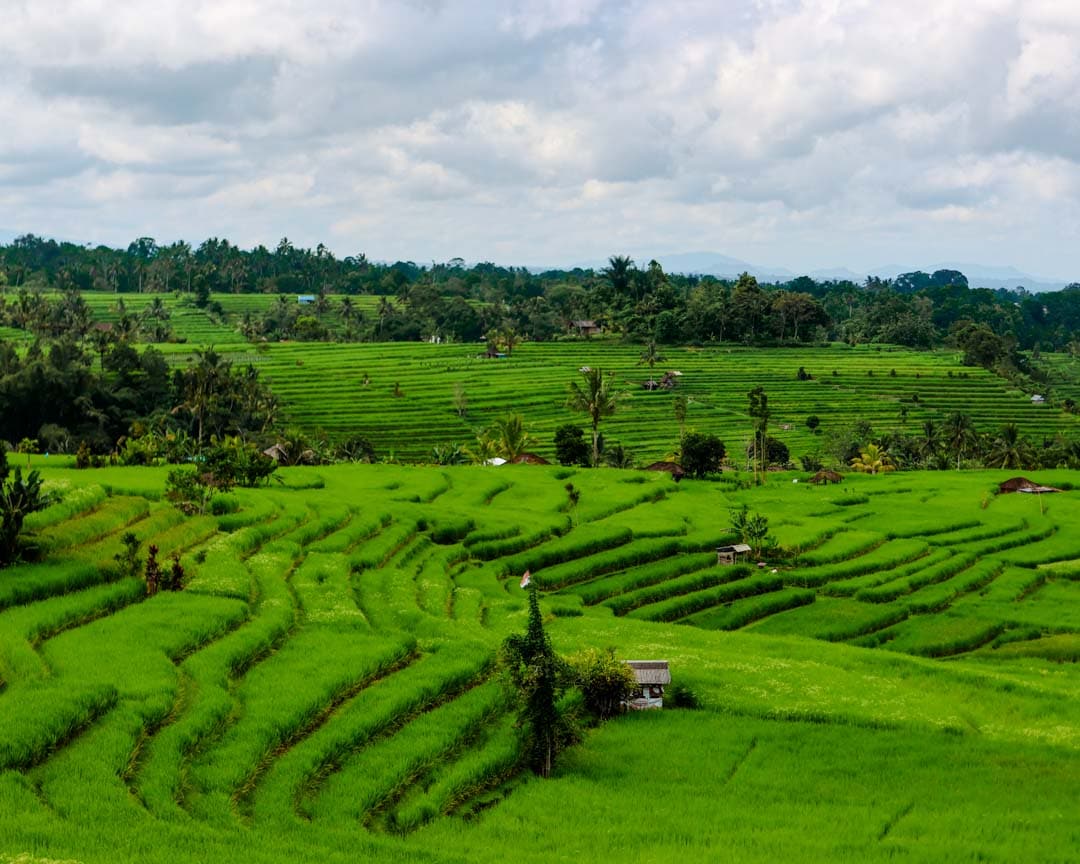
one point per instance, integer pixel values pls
(650, 671)
(736, 547)
(529, 459)
(276, 452)
(826, 477)
(583, 323)
(1022, 484)
(673, 468)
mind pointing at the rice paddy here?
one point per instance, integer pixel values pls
(322, 387)
(898, 681)
(402, 395)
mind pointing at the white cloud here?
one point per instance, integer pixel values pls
(798, 132)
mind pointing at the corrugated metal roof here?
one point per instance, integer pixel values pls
(738, 547)
(650, 671)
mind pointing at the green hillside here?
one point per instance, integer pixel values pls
(322, 387)
(323, 688)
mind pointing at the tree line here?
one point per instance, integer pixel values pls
(55, 397)
(451, 301)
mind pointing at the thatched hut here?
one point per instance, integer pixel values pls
(529, 459)
(277, 452)
(1022, 484)
(652, 677)
(673, 468)
(826, 477)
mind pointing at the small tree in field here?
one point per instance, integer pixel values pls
(605, 681)
(538, 676)
(570, 445)
(752, 528)
(701, 454)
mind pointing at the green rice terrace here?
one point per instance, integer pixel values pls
(401, 395)
(897, 682)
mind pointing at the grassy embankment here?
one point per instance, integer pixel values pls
(323, 687)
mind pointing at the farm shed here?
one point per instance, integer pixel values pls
(1022, 484)
(529, 459)
(305, 299)
(730, 554)
(276, 452)
(826, 477)
(673, 468)
(1037, 399)
(584, 327)
(652, 677)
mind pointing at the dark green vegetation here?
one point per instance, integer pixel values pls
(364, 401)
(452, 302)
(322, 688)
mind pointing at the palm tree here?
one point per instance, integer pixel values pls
(930, 442)
(595, 398)
(873, 460)
(1010, 449)
(959, 434)
(618, 274)
(200, 388)
(510, 437)
(384, 310)
(651, 356)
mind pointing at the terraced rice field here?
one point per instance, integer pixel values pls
(322, 386)
(325, 688)
(198, 326)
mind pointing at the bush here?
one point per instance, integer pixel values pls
(570, 445)
(605, 681)
(189, 490)
(776, 451)
(680, 695)
(18, 499)
(812, 422)
(701, 454)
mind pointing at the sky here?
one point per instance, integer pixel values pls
(804, 135)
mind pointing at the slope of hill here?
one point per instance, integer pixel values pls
(323, 687)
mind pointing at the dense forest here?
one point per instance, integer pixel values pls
(454, 302)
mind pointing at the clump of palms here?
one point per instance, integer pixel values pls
(873, 460)
(511, 437)
(1010, 449)
(507, 438)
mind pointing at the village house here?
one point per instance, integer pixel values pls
(652, 677)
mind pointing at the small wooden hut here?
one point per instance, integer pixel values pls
(730, 554)
(673, 468)
(529, 459)
(652, 677)
(1022, 484)
(584, 327)
(826, 477)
